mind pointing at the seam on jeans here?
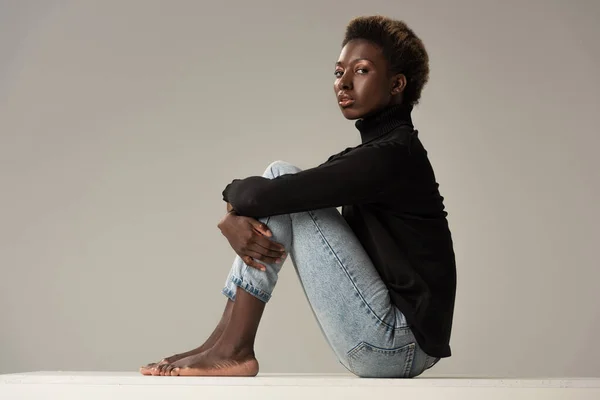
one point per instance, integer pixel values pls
(248, 287)
(409, 348)
(382, 350)
(228, 293)
(314, 218)
(409, 359)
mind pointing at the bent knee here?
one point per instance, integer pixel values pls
(278, 168)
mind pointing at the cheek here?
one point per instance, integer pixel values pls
(373, 91)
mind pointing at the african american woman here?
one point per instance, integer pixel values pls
(380, 277)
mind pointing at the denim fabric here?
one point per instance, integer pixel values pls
(368, 334)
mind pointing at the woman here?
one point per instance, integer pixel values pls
(381, 277)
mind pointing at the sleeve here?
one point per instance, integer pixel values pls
(359, 176)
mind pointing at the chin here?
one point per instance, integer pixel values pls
(352, 114)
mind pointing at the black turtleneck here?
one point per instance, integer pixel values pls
(389, 197)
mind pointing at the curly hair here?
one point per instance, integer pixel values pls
(401, 47)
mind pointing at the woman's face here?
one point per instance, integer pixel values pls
(363, 84)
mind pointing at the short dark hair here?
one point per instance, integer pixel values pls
(404, 51)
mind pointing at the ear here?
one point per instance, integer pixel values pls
(398, 84)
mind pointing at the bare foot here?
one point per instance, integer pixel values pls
(155, 368)
(211, 363)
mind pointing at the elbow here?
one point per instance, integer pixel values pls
(249, 204)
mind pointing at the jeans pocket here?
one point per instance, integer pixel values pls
(368, 361)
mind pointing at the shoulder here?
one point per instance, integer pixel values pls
(405, 140)
(398, 141)
(400, 136)
(394, 145)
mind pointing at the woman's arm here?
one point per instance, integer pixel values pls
(359, 176)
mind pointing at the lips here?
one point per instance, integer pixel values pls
(345, 100)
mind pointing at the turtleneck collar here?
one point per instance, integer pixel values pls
(383, 121)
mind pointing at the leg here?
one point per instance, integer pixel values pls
(233, 353)
(351, 303)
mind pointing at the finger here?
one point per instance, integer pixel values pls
(261, 228)
(258, 254)
(251, 263)
(269, 244)
(267, 248)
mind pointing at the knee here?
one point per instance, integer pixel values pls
(278, 168)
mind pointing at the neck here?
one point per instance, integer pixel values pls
(384, 121)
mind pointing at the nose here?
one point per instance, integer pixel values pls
(345, 82)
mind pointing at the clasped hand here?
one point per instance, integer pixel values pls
(249, 238)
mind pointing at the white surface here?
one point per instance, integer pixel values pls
(127, 385)
(121, 122)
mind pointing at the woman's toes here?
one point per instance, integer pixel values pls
(152, 368)
(166, 370)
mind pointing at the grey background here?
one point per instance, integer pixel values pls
(122, 121)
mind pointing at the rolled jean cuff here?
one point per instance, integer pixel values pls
(254, 291)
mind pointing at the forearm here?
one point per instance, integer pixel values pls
(360, 176)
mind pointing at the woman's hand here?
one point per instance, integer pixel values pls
(248, 238)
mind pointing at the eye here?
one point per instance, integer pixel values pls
(364, 70)
(338, 73)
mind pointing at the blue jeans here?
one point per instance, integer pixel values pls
(368, 334)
